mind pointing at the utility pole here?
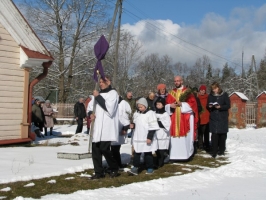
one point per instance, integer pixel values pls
(113, 21)
(256, 75)
(117, 44)
(243, 72)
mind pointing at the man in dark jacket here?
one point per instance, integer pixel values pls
(80, 114)
(37, 117)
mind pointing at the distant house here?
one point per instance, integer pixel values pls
(20, 51)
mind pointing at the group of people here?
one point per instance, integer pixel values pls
(42, 117)
(165, 123)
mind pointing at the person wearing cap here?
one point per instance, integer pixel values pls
(105, 130)
(163, 134)
(144, 139)
(203, 131)
(161, 91)
(182, 106)
(48, 113)
(37, 116)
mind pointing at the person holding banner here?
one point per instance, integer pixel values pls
(105, 128)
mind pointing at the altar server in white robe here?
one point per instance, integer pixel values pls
(124, 113)
(163, 134)
(144, 139)
(105, 128)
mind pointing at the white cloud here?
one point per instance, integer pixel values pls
(243, 30)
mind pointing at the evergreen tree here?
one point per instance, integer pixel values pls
(225, 72)
(262, 75)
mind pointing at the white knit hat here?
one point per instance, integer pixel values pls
(143, 102)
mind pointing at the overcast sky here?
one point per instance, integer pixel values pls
(187, 30)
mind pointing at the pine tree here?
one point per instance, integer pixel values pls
(261, 75)
(225, 72)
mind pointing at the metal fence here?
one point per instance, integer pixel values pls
(251, 114)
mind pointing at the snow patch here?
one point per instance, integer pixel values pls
(52, 181)
(5, 189)
(29, 185)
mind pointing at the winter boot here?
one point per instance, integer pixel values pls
(51, 131)
(134, 171)
(45, 131)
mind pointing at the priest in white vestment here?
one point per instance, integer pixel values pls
(182, 106)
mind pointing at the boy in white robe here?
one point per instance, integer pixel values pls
(144, 139)
(124, 112)
(105, 128)
(163, 134)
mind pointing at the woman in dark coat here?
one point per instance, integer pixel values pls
(218, 104)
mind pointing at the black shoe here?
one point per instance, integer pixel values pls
(114, 174)
(97, 176)
(213, 155)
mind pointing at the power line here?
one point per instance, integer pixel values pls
(177, 37)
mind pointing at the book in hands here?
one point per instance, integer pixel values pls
(214, 103)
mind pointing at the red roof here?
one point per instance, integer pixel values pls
(35, 54)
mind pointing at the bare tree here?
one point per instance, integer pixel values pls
(151, 71)
(69, 28)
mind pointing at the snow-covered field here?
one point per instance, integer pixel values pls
(244, 178)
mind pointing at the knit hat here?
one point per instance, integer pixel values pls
(161, 100)
(161, 86)
(143, 102)
(47, 101)
(203, 87)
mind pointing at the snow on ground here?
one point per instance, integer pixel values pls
(244, 178)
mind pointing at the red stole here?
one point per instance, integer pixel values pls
(180, 125)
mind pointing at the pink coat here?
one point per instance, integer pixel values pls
(48, 116)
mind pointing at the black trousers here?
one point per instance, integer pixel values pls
(204, 136)
(80, 125)
(160, 157)
(148, 158)
(100, 149)
(115, 149)
(45, 131)
(218, 143)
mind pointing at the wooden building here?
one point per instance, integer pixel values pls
(261, 113)
(20, 51)
(237, 113)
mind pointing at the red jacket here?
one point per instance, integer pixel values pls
(204, 114)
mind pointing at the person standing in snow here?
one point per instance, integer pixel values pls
(150, 101)
(48, 113)
(124, 122)
(218, 105)
(182, 106)
(144, 139)
(105, 128)
(37, 116)
(161, 92)
(162, 135)
(204, 115)
(80, 114)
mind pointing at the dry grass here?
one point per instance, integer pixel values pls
(64, 186)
